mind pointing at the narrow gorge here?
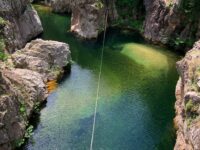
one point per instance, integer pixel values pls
(50, 53)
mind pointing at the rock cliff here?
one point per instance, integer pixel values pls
(168, 22)
(23, 86)
(187, 105)
(87, 15)
(23, 23)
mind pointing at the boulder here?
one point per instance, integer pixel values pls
(87, 18)
(44, 57)
(23, 23)
(23, 86)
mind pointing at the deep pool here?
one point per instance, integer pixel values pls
(136, 105)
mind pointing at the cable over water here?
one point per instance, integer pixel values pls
(99, 80)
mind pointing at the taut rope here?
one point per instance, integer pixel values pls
(99, 80)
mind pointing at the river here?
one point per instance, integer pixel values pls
(136, 106)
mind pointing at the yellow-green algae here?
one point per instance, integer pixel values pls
(148, 56)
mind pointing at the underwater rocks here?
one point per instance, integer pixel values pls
(23, 86)
(23, 23)
(187, 120)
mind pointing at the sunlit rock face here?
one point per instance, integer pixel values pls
(87, 18)
(20, 91)
(23, 23)
(23, 86)
(188, 101)
(45, 57)
(164, 21)
(160, 21)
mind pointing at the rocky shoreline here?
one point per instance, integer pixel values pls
(187, 104)
(23, 86)
(24, 75)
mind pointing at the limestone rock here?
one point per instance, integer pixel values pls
(187, 105)
(23, 87)
(24, 23)
(87, 19)
(164, 21)
(45, 57)
(20, 90)
(160, 21)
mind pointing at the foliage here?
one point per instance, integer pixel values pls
(22, 109)
(137, 24)
(37, 107)
(3, 56)
(128, 3)
(131, 14)
(19, 142)
(134, 24)
(178, 41)
(189, 105)
(28, 134)
(128, 8)
(191, 8)
(181, 43)
(2, 21)
(98, 4)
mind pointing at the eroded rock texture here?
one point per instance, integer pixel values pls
(23, 86)
(45, 57)
(187, 106)
(164, 21)
(24, 23)
(87, 17)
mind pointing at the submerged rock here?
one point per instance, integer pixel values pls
(23, 23)
(187, 105)
(23, 87)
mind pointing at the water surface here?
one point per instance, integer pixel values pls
(135, 110)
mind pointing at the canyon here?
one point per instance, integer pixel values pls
(31, 64)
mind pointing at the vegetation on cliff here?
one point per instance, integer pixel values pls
(2, 41)
(189, 11)
(131, 13)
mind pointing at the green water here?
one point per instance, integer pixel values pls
(135, 109)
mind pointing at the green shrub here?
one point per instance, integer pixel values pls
(191, 8)
(2, 21)
(189, 106)
(3, 56)
(19, 142)
(126, 7)
(98, 4)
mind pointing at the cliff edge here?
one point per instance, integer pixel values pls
(187, 120)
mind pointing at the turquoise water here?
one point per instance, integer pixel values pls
(135, 109)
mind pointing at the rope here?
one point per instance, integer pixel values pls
(99, 79)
